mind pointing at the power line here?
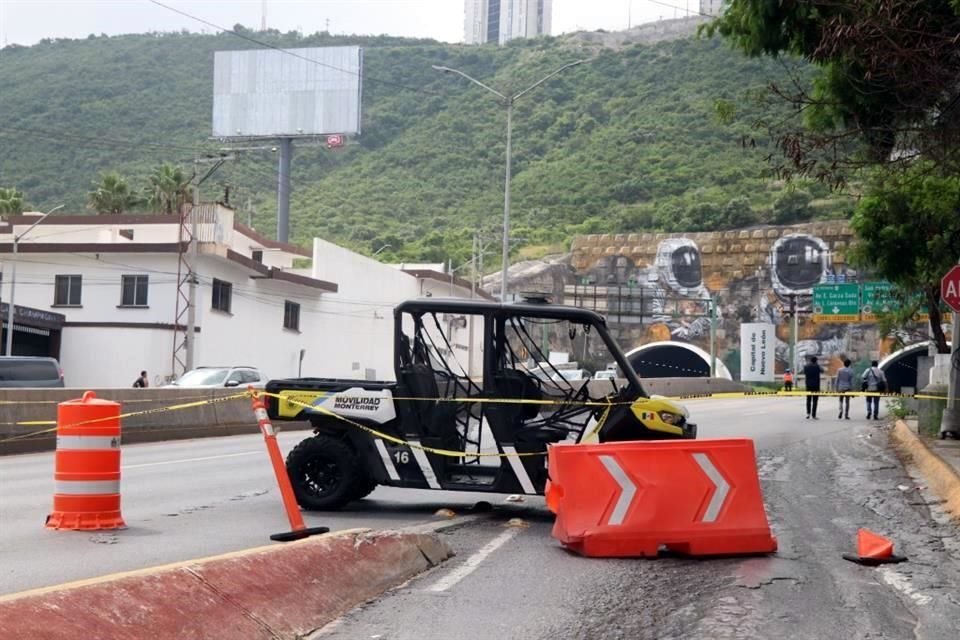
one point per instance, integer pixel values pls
(244, 36)
(684, 9)
(102, 141)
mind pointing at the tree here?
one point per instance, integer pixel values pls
(888, 80)
(792, 206)
(112, 195)
(736, 214)
(910, 234)
(11, 200)
(169, 189)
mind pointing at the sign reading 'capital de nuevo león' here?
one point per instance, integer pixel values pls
(758, 342)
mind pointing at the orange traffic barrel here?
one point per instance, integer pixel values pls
(87, 468)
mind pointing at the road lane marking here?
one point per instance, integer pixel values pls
(473, 562)
(902, 584)
(182, 460)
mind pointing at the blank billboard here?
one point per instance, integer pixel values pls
(286, 93)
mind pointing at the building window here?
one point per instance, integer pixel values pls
(222, 295)
(257, 256)
(67, 291)
(291, 315)
(133, 291)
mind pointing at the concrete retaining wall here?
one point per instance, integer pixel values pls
(228, 417)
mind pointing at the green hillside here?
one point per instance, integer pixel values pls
(627, 142)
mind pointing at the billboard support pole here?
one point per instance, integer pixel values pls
(283, 190)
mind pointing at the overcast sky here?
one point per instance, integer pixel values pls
(27, 21)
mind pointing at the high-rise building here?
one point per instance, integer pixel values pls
(712, 8)
(502, 20)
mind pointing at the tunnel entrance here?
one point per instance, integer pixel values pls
(673, 360)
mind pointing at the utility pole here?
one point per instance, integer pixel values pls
(283, 190)
(793, 331)
(189, 339)
(713, 336)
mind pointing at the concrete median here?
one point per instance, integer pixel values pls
(230, 417)
(278, 591)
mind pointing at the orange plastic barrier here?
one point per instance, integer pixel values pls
(87, 465)
(298, 529)
(698, 497)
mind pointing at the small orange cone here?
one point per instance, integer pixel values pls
(873, 549)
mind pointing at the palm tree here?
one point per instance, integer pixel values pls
(11, 200)
(112, 195)
(169, 189)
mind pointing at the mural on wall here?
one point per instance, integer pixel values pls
(658, 287)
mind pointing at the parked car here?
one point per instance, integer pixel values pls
(212, 377)
(25, 371)
(605, 374)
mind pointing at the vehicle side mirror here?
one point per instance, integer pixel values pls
(232, 383)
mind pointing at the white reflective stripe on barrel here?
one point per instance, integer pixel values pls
(260, 413)
(86, 487)
(88, 442)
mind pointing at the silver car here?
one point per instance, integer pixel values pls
(212, 377)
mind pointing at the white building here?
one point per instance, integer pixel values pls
(100, 294)
(502, 20)
(712, 8)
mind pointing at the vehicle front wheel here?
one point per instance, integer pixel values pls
(324, 473)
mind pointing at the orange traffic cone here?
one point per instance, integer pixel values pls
(873, 549)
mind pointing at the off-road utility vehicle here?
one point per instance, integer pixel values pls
(463, 368)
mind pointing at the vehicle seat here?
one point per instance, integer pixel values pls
(517, 385)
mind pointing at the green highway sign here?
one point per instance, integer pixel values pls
(836, 302)
(877, 298)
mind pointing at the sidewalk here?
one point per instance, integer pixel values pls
(937, 460)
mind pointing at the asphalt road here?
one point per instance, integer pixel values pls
(180, 500)
(821, 479)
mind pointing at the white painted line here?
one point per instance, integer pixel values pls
(902, 584)
(421, 457)
(471, 563)
(627, 490)
(183, 460)
(518, 470)
(386, 459)
(721, 487)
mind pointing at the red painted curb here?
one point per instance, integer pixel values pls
(281, 591)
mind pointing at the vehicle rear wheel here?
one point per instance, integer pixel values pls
(324, 473)
(364, 487)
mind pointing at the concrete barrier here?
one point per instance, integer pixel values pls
(278, 591)
(228, 417)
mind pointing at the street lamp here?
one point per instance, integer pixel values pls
(13, 275)
(508, 102)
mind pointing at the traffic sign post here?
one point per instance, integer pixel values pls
(836, 303)
(950, 294)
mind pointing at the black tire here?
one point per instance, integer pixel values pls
(364, 487)
(325, 473)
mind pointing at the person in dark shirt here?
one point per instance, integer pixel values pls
(811, 373)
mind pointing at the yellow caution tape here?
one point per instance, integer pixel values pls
(400, 441)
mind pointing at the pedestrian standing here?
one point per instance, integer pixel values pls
(874, 381)
(845, 385)
(787, 380)
(811, 374)
(142, 382)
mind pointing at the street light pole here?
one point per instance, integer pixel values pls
(508, 103)
(13, 276)
(506, 205)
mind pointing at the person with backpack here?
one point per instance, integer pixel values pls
(845, 385)
(142, 382)
(876, 382)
